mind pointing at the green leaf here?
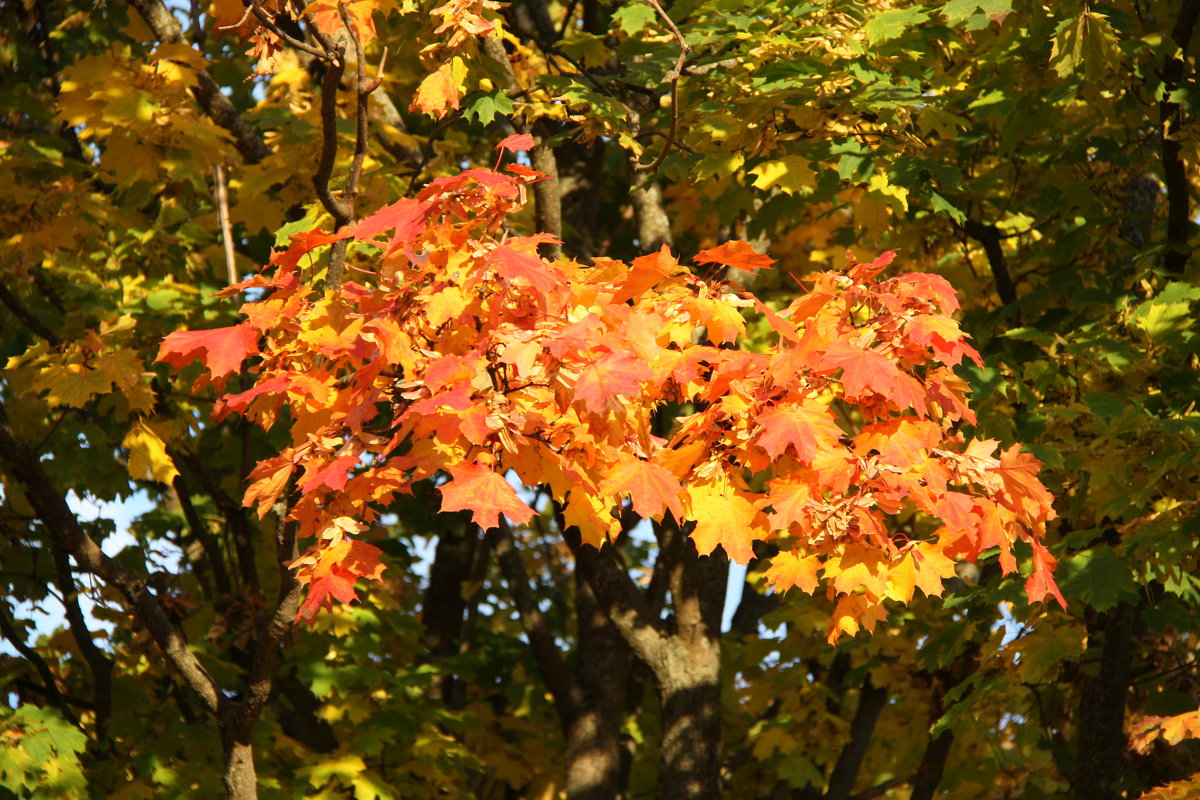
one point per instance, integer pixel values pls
(893, 23)
(1169, 314)
(941, 205)
(634, 17)
(483, 108)
(1088, 43)
(1097, 577)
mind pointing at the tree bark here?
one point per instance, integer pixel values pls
(653, 224)
(1172, 117)
(871, 700)
(1101, 742)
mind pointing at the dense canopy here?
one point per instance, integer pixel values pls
(588, 399)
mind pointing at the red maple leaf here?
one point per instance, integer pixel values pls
(332, 474)
(518, 141)
(478, 489)
(335, 573)
(405, 216)
(736, 254)
(222, 349)
(609, 376)
(861, 369)
(1041, 581)
(514, 266)
(336, 584)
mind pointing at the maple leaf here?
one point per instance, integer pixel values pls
(405, 216)
(736, 254)
(609, 376)
(268, 478)
(591, 516)
(1023, 489)
(516, 142)
(148, 454)
(861, 369)
(789, 568)
(930, 566)
(853, 613)
(439, 91)
(805, 426)
(327, 19)
(723, 517)
(514, 265)
(335, 584)
(900, 441)
(222, 349)
(860, 273)
(645, 273)
(1041, 581)
(651, 488)
(332, 475)
(942, 335)
(333, 577)
(478, 489)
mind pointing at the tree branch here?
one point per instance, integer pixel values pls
(547, 194)
(989, 237)
(558, 679)
(27, 318)
(620, 598)
(215, 104)
(51, 507)
(99, 663)
(871, 700)
(49, 683)
(672, 76)
(1171, 120)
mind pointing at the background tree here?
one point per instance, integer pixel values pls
(1038, 158)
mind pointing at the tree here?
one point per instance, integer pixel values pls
(136, 191)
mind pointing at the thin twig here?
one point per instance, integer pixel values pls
(673, 77)
(222, 197)
(267, 22)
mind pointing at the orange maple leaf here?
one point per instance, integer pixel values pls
(789, 568)
(861, 369)
(805, 426)
(325, 15)
(651, 488)
(736, 254)
(478, 489)
(437, 93)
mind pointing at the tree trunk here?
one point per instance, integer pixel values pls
(690, 688)
(594, 751)
(240, 781)
(689, 670)
(1102, 705)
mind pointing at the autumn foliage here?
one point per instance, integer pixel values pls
(461, 356)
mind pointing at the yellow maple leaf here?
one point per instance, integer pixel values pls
(723, 517)
(792, 174)
(439, 91)
(148, 456)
